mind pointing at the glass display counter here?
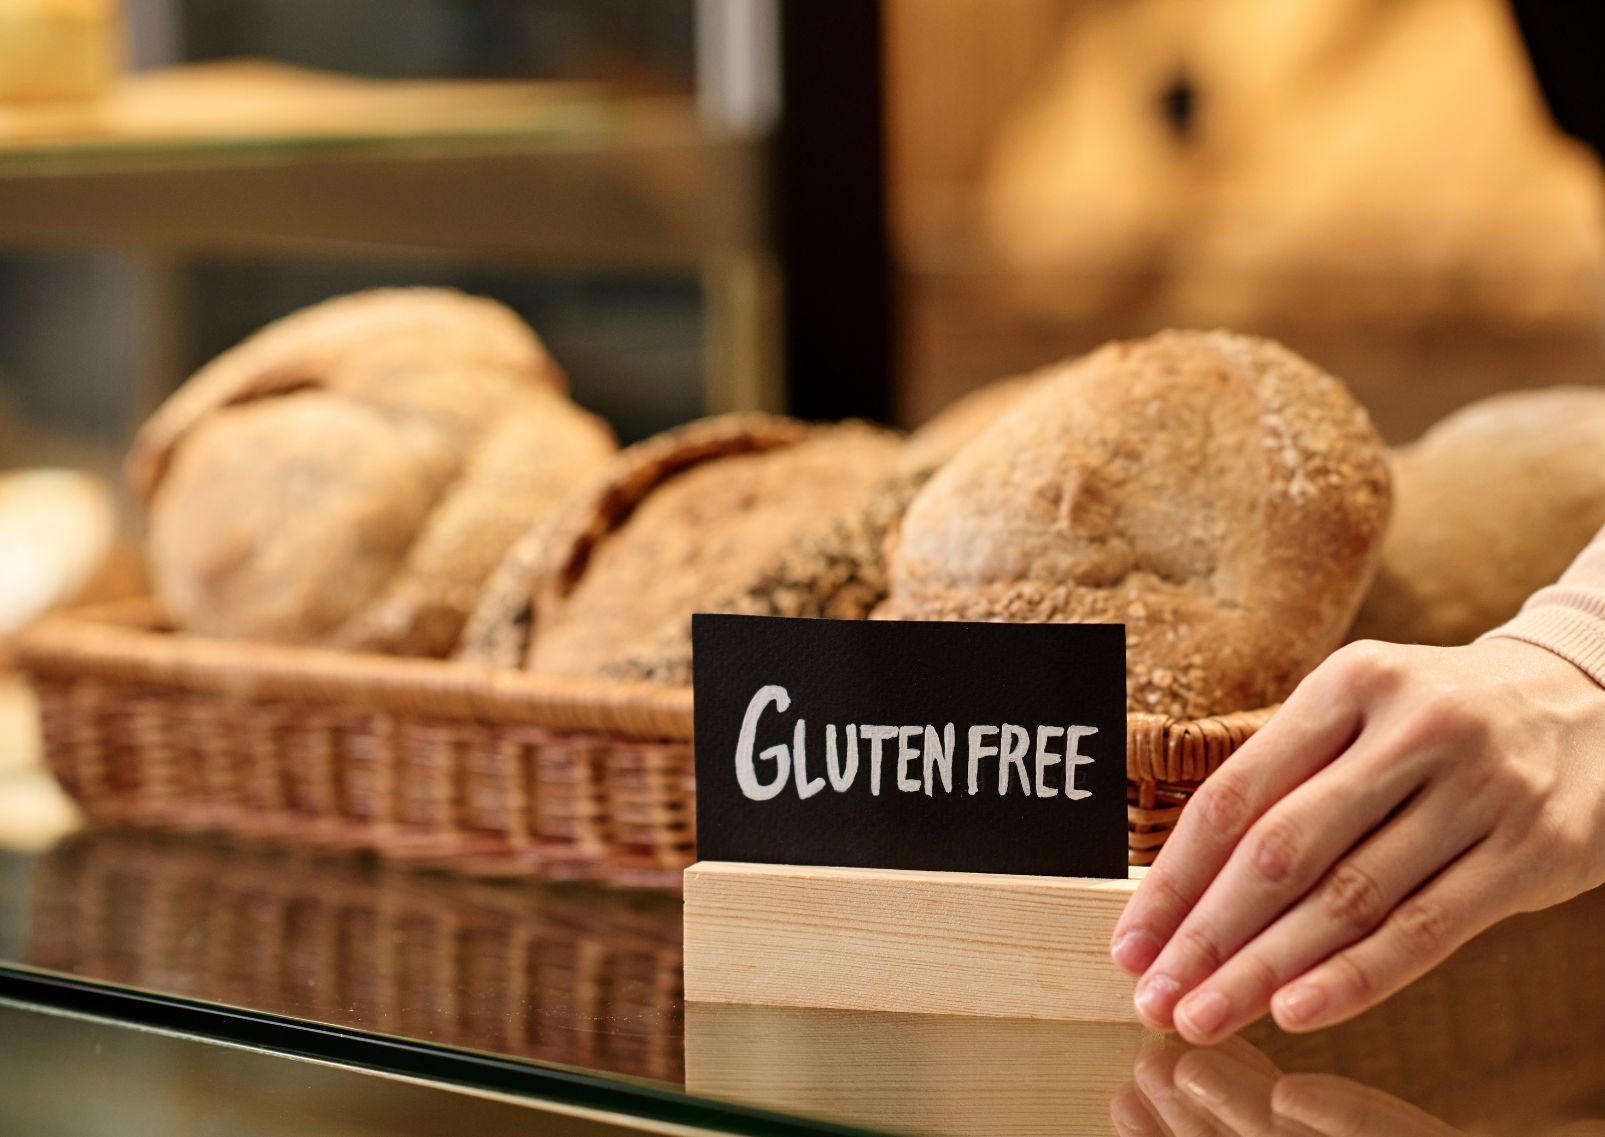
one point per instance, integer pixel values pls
(568, 997)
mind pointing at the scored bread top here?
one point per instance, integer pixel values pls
(309, 349)
(692, 517)
(1217, 494)
(553, 551)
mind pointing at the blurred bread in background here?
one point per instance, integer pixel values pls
(56, 50)
(1376, 183)
(350, 475)
(57, 531)
(1490, 505)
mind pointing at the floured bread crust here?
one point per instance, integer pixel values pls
(309, 348)
(699, 532)
(1221, 496)
(362, 505)
(1492, 504)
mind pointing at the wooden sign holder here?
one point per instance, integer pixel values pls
(897, 940)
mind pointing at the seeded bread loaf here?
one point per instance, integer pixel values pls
(1492, 504)
(1217, 494)
(349, 476)
(693, 519)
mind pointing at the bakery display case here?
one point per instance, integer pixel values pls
(603, 170)
(424, 366)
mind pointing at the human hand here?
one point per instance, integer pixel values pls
(1235, 1091)
(1403, 800)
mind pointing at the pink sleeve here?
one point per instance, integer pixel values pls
(1568, 617)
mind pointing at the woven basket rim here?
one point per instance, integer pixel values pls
(127, 642)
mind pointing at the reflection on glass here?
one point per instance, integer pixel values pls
(560, 974)
(1506, 1039)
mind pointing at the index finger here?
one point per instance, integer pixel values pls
(1314, 726)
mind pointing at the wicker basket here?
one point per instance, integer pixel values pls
(485, 771)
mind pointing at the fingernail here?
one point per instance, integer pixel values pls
(1135, 951)
(1293, 1101)
(1205, 1085)
(1130, 1117)
(1298, 1005)
(1156, 995)
(1205, 1012)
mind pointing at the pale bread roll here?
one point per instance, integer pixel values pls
(1491, 505)
(56, 530)
(351, 475)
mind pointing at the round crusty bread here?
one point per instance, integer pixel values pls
(363, 505)
(1492, 504)
(691, 534)
(1217, 494)
(306, 347)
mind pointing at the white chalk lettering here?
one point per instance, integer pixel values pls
(1016, 745)
(906, 754)
(841, 776)
(806, 787)
(876, 735)
(1045, 758)
(979, 749)
(1073, 758)
(939, 755)
(924, 758)
(746, 767)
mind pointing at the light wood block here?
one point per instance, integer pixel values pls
(885, 940)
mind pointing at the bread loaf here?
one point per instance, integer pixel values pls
(350, 475)
(1492, 504)
(1217, 494)
(56, 531)
(689, 522)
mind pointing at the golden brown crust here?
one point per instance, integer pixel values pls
(1219, 495)
(308, 348)
(837, 572)
(499, 630)
(700, 516)
(1492, 504)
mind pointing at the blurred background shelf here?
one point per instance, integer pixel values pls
(248, 157)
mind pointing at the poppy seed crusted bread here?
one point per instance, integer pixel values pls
(1217, 494)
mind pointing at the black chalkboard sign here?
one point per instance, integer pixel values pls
(911, 745)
